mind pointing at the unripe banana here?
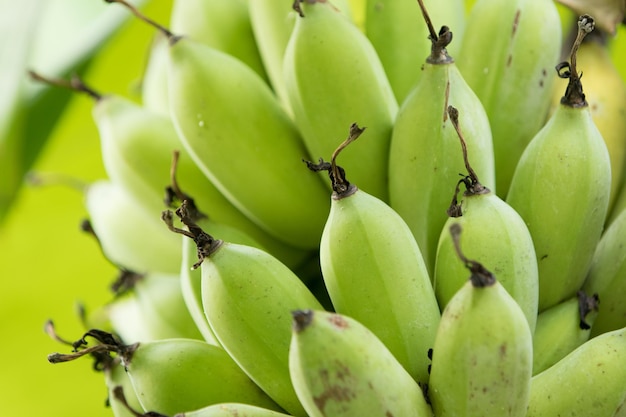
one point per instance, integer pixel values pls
(130, 235)
(561, 329)
(607, 278)
(223, 25)
(333, 78)
(340, 368)
(398, 32)
(589, 381)
(232, 410)
(160, 307)
(492, 231)
(506, 56)
(117, 378)
(563, 178)
(235, 114)
(272, 24)
(482, 357)
(606, 94)
(374, 271)
(154, 89)
(425, 158)
(173, 375)
(247, 296)
(191, 279)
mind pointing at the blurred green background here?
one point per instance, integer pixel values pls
(47, 265)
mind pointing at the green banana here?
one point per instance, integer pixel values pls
(562, 328)
(607, 277)
(506, 54)
(589, 381)
(374, 271)
(606, 94)
(272, 24)
(247, 295)
(497, 234)
(482, 357)
(334, 77)
(154, 90)
(425, 158)
(340, 368)
(137, 145)
(564, 178)
(223, 25)
(191, 279)
(232, 410)
(173, 375)
(130, 235)
(397, 31)
(160, 308)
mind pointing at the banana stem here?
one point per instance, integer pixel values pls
(438, 52)
(574, 96)
(474, 186)
(74, 84)
(341, 187)
(480, 276)
(118, 393)
(173, 193)
(170, 36)
(586, 304)
(205, 243)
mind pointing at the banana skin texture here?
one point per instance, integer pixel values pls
(340, 368)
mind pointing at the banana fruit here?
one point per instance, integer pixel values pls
(425, 158)
(334, 78)
(364, 237)
(340, 368)
(506, 57)
(505, 246)
(482, 356)
(563, 179)
(589, 381)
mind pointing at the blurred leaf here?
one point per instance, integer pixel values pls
(54, 37)
(608, 14)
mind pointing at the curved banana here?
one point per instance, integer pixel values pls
(232, 410)
(493, 232)
(130, 235)
(482, 357)
(272, 24)
(374, 271)
(247, 296)
(562, 328)
(334, 78)
(235, 113)
(589, 381)
(564, 178)
(223, 25)
(191, 279)
(605, 92)
(340, 368)
(425, 159)
(173, 375)
(398, 33)
(506, 57)
(607, 277)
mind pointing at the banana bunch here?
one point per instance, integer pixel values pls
(269, 268)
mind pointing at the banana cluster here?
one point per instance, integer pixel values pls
(466, 256)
